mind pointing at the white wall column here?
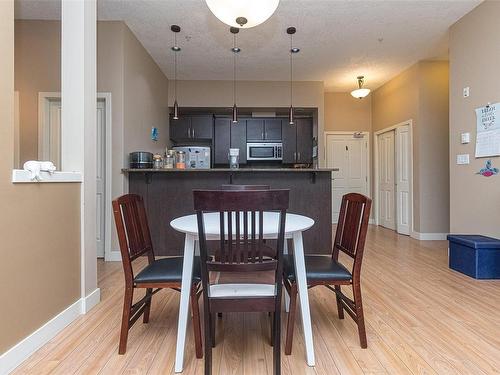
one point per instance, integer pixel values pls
(78, 134)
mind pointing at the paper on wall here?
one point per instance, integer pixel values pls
(488, 131)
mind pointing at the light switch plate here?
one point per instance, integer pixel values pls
(466, 92)
(465, 138)
(463, 159)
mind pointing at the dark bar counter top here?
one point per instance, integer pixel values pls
(168, 194)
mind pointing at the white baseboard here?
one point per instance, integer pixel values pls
(91, 300)
(113, 256)
(26, 347)
(371, 221)
(429, 236)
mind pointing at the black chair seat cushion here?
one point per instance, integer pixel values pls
(318, 267)
(167, 270)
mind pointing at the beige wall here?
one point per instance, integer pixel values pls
(420, 94)
(40, 226)
(343, 112)
(474, 62)
(254, 94)
(139, 90)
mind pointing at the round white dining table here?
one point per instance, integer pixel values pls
(294, 226)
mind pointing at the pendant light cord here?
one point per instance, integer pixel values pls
(175, 67)
(234, 69)
(291, 70)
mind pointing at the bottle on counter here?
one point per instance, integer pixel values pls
(157, 161)
(234, 158)
(180, 160)
(169, 162)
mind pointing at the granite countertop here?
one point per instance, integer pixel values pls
(129, 170)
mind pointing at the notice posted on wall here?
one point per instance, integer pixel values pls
(488, 131)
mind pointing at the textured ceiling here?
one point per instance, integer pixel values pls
(338, 39)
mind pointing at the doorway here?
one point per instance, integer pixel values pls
(393, 178)
(349, 152)
(49, 148)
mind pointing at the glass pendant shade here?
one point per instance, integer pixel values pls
(235, 114)
(360, 92)
(290, 116)
(176, 110)
(242, 13)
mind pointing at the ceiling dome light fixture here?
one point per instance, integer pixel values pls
(235, 50)
(175, 29)
(243, 13)
(360, 92)
(293, 50)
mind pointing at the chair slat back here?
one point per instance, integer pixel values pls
(352, 226)
(245, 187)
(241, 228)
(132, 227)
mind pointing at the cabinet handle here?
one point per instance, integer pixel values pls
(262, 135)
(193, 132)
(295, 156)
(189, 132)
(299, 156)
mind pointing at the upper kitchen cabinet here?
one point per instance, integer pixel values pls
(191, 127)
(298, 141)
(229, 135)
(263, 130)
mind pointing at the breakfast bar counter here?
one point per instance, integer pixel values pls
(168, 194)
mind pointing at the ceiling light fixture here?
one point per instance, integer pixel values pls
(175, 29)
(235, 50)
(293, 50)
(243, 13)
(360, 92)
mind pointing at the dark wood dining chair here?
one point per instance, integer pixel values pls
(327, 270)
(240, 250)
(135, 241)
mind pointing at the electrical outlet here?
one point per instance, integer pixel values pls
(466, 92)
(463, 159)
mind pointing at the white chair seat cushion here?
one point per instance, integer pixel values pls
(242, 290)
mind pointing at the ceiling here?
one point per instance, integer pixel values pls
(339, 40)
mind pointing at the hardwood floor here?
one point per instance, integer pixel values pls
(421, 317)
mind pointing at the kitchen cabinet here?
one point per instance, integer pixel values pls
(229, 135)
(263, 130)
(297, 141)
(192, 127)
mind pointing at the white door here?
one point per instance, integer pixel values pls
(386, 168)
(403, 198)
(350, 156)
(101, 174)
(50, 149)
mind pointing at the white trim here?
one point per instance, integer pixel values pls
(22, 176)
(17, 146)
(27, 346)
(113, 256)
(429, 236)
(44, 99)
(375, 168)
(91, 300)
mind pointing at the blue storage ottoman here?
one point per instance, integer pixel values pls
(475, 256)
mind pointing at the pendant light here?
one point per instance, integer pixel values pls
(293, 50)
(360, 92)
(242, 13)
(175, 29)
(235, 50)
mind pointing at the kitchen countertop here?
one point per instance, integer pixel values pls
(296, 170)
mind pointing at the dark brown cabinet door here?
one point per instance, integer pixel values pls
(255, 130)
(222, 140)
(180, 129)
(272, 130)
(201, 127)
(239, 139)
(289, 136)
(304, 140)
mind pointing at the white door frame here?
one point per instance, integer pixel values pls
(368, 166)
(43, 97)
(376, 169)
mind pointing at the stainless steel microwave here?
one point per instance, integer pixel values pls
(265, 151)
